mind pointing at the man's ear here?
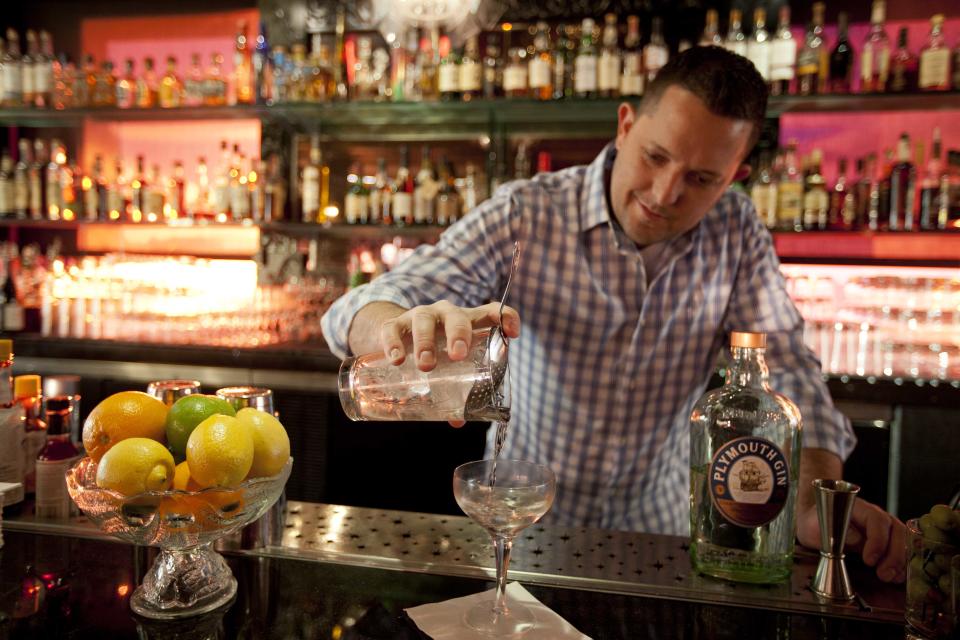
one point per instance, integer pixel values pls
(742, 172)
(626, 115)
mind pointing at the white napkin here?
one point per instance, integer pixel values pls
(444, 620)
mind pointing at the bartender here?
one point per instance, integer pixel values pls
(635, 268)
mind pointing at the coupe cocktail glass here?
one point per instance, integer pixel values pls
(504, 497)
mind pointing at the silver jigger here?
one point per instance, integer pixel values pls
(268, 529)
(240, 397)
(834, 504)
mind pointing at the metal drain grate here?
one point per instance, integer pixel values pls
(617, 562)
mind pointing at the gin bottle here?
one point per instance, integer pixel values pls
(744, 468)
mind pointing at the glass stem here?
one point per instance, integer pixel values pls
(502, 547)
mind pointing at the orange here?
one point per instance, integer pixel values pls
(184, 416)
(128, 414)
(220, 452)
(135, 465)
(204, 510)
(271, 445)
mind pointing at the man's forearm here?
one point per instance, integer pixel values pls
(364, 334)
(816, 463)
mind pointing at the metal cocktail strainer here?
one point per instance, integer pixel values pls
(487, 400)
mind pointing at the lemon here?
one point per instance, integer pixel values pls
(135, 465)
(186, 413)
(128, 414)
(271, 445)
(220, 452)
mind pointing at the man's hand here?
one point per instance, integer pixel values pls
(878, 536)
(395, 328)
(457, 324)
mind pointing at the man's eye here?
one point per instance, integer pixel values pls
(702, 180)
(655, 158)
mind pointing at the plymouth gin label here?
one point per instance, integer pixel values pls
(744, 466)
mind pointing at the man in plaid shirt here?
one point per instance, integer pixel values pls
(635, 269)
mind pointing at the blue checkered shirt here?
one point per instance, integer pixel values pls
(607, 369)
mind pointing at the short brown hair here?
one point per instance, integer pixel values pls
(729, 85)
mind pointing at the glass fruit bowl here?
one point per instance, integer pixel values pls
(188, 577)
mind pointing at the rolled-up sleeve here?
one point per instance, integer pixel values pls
(760, 302)
(465, 267)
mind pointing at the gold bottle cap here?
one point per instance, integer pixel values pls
(6, 349)
(748, 340)
(26, 386)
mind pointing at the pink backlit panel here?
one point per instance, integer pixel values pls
(163, 142)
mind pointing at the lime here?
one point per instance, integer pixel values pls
(184, 416)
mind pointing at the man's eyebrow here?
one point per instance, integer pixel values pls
(704, 172)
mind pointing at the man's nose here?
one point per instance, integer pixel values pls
(667, 187)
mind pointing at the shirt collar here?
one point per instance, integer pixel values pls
(594, 206)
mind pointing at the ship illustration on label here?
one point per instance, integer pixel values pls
(749, 481)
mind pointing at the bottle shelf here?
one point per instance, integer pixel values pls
(931, 248)
(452, 120)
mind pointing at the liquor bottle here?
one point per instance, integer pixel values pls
(380, 195)
(427, 62)
(117, 198)
(106, 91)
(875, 59)
(812, 59)
(35, 179)
(632, 80)
(816, 200)
(138, 191)
(53, 461)
(43, 71)
(585, 64)
(402, 195)
(26, 392)
(955, 65)
(310, 185)
(364, 86)
(27, 68)
(238, 193)
(274, 191)
(930, 186)
(89, 187)
(448, 200)
(295, 85)
(783, 55)
(12, 75)
(11, 427)
(540, 67)
(862, 190)
(655, 53)
(448, 75)
(52, 193)
(790, 192)
(903, 66)
(171, 89)
(841, 59)
(470, 71)
(949, 214)
(21, 179)
(758, 47)
(934, 72)
(902, 196)
(357, 199)
(321, 86)
(711, 30)
(736, 41)
(262, 69)
(515, 73)
(492, 70)
(879, 209)
(763, 192)
(470, 193)
(843, 213)
(215, 93)
(13, 314)
(193, 83)
(425, 191)
(608, 65)
(147, 85)
(6, 185)
(744, 472)
(563, 57)
(126, 87)
(255, 185)
(243, 92)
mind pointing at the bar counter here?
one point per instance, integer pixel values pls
(349, 572)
